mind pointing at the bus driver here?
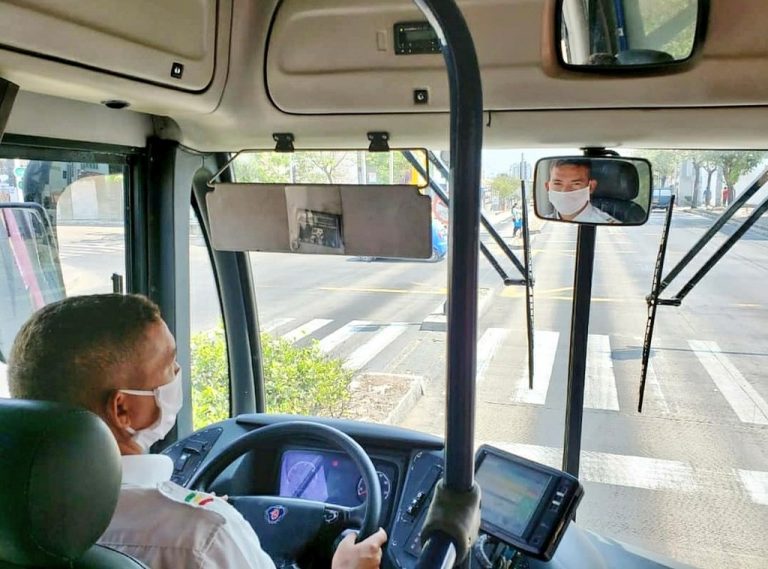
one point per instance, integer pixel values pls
(569, 188)
(114, 355)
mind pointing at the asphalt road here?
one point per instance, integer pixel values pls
(686, 478)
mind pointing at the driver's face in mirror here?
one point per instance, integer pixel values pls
(569, 187)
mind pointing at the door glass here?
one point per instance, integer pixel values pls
(62, 233)
(210, 361)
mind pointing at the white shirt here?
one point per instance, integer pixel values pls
(169, 527)
(591, 214)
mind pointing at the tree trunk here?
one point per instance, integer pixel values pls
(708, 188)
(696, 179)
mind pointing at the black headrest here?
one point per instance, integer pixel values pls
(615, 179)
(60, 477)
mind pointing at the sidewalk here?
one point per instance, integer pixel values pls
(760, 226)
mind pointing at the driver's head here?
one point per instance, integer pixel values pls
(111, 354)
(570, 175)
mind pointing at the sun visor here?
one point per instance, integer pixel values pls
(366, 220)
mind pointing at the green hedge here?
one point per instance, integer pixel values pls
(299, 380)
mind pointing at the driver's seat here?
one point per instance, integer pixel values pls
(60, 477)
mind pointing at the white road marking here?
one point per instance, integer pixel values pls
(600, 389)
(741, 396)
(652, 473)
(276, 323)
(545, 349)
(655, 388)
(343, 334)
(756, 484)
(306, 329)
(486, 347)
(372, 347)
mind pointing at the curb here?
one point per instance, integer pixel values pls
(407, 403)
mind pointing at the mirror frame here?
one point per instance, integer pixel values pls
(631, 159)
(699, 38)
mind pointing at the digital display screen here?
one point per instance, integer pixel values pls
(420, 35)
(329, 477)
(511, 493)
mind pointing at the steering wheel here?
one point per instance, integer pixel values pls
(286, 526)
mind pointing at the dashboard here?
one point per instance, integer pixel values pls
(331, 477)
(519, 505)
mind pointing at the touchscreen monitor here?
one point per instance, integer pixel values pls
(511, 493)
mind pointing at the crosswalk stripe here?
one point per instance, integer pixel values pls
(486, 347)
(306, 329)
(756, 484)
(545, 349)
(600, 387)
(343, 334)
(276, 323)
(381, 340)
(655, 389)
(741, 396)
(651, 473)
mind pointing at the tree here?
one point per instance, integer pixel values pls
(263, 167)
(665, 165)
(321, 167)
(709, 161)
(388, 168)
(696, 159)
(505, 187)
(736, 163)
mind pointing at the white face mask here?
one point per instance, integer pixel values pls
(169, 399)
(568, 203)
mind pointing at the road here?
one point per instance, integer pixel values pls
(687, 478)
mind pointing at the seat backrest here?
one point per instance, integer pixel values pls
(60, 476)
(617, 186)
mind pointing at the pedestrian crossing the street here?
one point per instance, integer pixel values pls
(367, 345)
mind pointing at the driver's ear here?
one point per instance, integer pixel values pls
(117, 412)
(592, 185)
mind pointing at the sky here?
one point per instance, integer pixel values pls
(500, 161)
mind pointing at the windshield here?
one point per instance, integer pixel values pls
(365, 338)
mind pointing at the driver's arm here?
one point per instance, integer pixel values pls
(235, 546)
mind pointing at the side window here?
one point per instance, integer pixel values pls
(62, 233)
(210, 362)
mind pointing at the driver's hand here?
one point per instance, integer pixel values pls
(363, 555)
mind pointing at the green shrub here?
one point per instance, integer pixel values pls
(299, 380)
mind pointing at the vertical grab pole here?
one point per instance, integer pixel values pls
(577, 361)
(466, 100)
(530, 330)
(466, 145)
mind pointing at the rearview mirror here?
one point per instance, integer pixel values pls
(593, 191)
(621, 35)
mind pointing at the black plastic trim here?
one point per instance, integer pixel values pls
(382, 436)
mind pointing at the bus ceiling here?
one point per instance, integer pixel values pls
(238, 74)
